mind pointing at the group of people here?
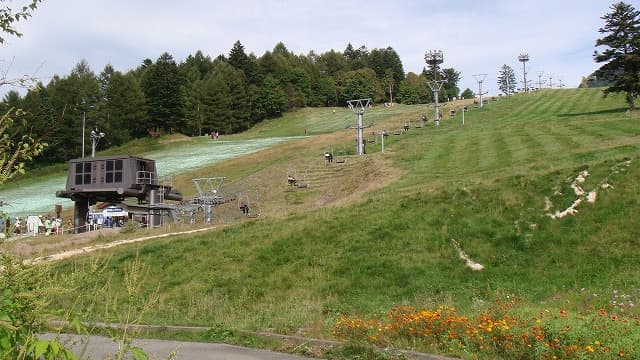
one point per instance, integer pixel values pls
(97, 221)
(214, 135)
(33, 225)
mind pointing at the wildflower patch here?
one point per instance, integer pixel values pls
(500, 331)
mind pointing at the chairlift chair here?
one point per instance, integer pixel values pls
(341, 157)
(250, 209)
(328, 156)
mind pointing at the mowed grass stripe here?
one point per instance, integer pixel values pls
(446, 146)
(534, 148)
(623, 127)
(547, 105)
(473, 154)
(590, 132)
(499, 151)
(558, 137)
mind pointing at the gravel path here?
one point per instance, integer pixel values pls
(100, 347)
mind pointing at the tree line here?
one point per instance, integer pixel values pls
(227, 94)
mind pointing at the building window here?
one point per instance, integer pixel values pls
(83, 173)
(114, 171)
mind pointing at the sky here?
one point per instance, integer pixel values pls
(475, 36)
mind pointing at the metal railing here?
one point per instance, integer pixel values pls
(146, 177)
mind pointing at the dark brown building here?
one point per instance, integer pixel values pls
(113, 179)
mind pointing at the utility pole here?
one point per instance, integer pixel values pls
(550, 82)
(480, 79)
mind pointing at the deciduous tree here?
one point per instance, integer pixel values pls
(467, 94)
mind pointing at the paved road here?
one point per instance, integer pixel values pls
(100, 348)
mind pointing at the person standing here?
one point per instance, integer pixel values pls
(47, 226)
(17, 225)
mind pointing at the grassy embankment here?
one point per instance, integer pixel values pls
(389, 242)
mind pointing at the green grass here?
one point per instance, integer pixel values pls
(312, 121)
(483, 184)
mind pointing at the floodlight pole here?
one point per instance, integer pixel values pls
(540, 73)
(523, 58)
(83, 122)
(358, 107)
(480, 79)
(434, 58)
(95, 137)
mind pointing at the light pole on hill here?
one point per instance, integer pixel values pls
(434, 58)
(95, 137)
(523, 58)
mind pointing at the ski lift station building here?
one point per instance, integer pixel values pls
(113, 179)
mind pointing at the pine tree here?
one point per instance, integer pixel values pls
(237, 57)
(507, 80)
(272, 100)
(356, 58)
(164, 92)
(621, 56)
(125, 112)
(216, 101)
(238, 99)
(450, 87)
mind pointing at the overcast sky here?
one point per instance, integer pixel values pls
(476, 36)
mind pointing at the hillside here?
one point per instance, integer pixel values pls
(377, 231)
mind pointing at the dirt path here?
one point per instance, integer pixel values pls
(87, 249)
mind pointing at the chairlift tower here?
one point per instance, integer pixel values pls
(358, 107)
(209, 195)
(523, 58)
(480, 79)
(434, 58)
